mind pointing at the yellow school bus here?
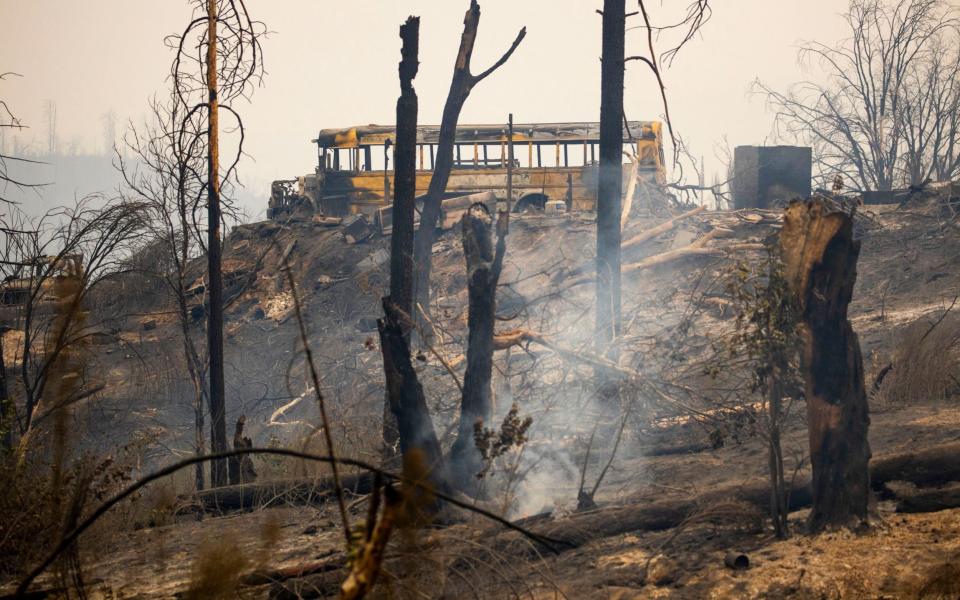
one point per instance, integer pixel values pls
(551, 162)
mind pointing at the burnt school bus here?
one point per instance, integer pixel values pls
(551, 162)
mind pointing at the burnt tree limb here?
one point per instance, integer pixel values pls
(460, 87)
(820, 257)
(484, 264)
(404, 204)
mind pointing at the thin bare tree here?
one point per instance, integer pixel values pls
(930, 114)
(52, 263)
(10, 122)
(218, 61)
(868, 117)
(169, 152)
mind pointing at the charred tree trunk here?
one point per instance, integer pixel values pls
(610, 180)
(460, 88)
(483, 273)
(408, 414)
(405, 172)
(418, 440)
(404, 204)
(218, 415)
(820, 257)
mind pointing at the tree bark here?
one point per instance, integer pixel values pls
(483, 273)
(820, 257)
(405, 196)
(610, 179)
(460, 88)
(218, 415)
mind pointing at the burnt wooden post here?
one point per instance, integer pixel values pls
(483, 273)
(820, 258)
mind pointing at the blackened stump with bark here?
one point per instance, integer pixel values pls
(240, 468)
(820, 257)
(610, 180)
(405, 178)
(460, 88)
(483, 273)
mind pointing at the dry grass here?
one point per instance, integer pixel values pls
(37, 505)
(926, 363)
(938, 582)
(216, 571)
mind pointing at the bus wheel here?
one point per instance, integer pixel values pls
(531, 202)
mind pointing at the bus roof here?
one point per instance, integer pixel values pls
(377, 135)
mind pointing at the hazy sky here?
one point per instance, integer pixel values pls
(332, 63)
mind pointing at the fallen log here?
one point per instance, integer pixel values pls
(696, 248)
(631, 189)
(662, 228)
(320, 585)
(695, 447)
(585, 273)
(928, 467)
(671, 255)
(915, 467)
(250, 496)
(926, 501)
(934, 466)
(584, 527)
(268, 576)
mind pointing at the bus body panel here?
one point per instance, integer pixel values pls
(346, 180)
